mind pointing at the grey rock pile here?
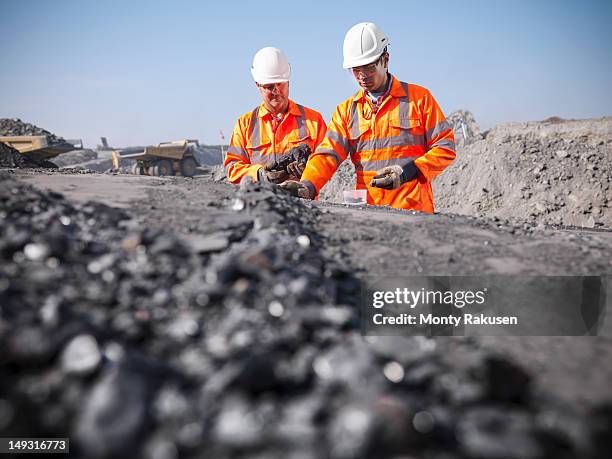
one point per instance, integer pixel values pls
(75, 157)
(465, 128)
(343, 179)
(552, 172)
(208, 155)
(218, 174)
(241, 340)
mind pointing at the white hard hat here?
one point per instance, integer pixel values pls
(270, 65)
(363, 44)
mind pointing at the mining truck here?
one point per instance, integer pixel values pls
(166, 158)
(37, 146)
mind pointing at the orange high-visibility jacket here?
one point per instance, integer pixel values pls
(254, 143)
(408, 125)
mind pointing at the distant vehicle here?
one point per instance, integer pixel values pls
(167, 158)
(104, 145)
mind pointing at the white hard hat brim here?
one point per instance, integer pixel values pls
(350, 63)
(268, 80)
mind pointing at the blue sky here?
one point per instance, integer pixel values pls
(142, 72)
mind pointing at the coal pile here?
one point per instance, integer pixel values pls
(9, 157)
(16, 127)
(240, 340)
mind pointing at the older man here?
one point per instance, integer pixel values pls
(274, 127)
(394, 132)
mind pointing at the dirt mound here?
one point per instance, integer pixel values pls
(551, 172)
(75, 157)
(465, 128)
(208, 155)
(218, 173)
(9, 157)
(343, 179)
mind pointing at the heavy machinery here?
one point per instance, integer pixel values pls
(37, 147)
(167, 158)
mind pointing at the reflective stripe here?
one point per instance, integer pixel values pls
(338, 138)
(301, 123)
(404, 139)
(438, 129)
(228, 165)
(258, 158)
(255, 134)
(261, 175)
(444, 143)
(354, 121)
(329, 152)
(235, 150)
(404, 104)
(377, 164)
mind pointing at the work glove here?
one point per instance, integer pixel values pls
(298, 189)
(265, 175)
(392, 177)
(296, 169)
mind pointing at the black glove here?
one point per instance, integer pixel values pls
(392, 177)
(272, 176)
(296, 169)
(303, 190)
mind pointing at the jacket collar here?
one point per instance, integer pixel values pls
(292, 110)
(395, 91)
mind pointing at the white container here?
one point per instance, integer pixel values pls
(355, 197)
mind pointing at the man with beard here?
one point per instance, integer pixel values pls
(395, 133)
(276, 126)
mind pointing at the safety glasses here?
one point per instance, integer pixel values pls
(366, 70)
(272, 87)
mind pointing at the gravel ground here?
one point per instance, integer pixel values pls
(203, 320)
